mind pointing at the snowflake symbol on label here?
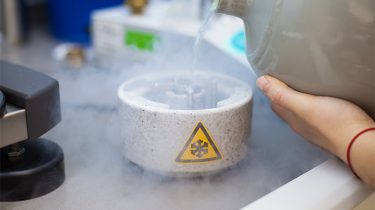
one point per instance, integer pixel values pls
(199, 148)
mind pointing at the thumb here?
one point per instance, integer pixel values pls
(282, 95)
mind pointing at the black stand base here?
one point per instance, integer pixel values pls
(36, 172)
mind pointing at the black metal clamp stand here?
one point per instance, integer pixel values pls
(29, 107)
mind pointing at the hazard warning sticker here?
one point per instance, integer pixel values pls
(199, 148)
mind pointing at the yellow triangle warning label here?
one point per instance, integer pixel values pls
(199, 148)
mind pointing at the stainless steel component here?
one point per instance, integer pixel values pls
(13, 126)
(1, 20)
(12, 20)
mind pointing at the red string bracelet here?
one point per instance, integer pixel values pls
(350, 147)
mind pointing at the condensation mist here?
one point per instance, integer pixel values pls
(98, 176)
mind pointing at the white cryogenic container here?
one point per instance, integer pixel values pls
(185, 124)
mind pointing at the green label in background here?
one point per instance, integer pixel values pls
(140, 40)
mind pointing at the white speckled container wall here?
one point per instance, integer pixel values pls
(154, 137)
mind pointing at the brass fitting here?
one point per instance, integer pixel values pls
(137, 6)
(76, 57)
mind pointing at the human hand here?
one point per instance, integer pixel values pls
(328, 122)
